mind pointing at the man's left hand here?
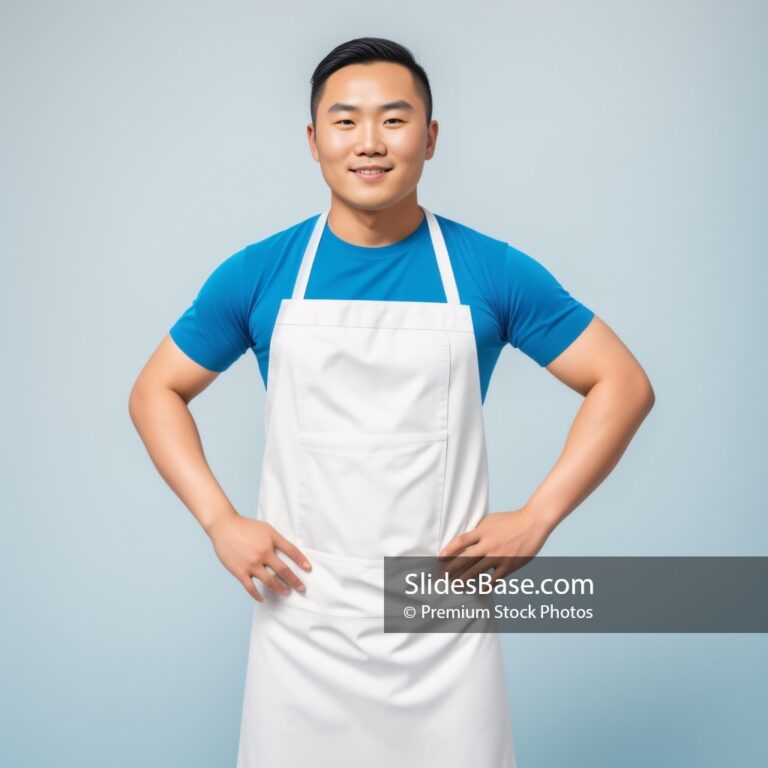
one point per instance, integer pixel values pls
(504, 541)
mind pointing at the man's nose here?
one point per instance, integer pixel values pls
(369, 140)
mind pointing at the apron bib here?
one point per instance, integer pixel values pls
(375, 447)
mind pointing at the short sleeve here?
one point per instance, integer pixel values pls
(539, 317)
(214, 330)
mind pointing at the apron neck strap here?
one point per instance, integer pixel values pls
(438, 245)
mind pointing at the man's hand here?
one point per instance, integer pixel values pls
(246, 547)
(504, 541)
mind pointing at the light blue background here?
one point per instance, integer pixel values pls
(621, 144)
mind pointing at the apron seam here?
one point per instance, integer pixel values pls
(377, 326)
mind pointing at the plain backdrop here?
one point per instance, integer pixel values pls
(621, 144)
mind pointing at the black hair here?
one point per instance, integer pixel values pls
(366, 50)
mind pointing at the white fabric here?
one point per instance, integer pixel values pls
(375, 446)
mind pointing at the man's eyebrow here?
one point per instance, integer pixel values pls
(340, 107)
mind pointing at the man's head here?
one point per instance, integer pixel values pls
(371, 105)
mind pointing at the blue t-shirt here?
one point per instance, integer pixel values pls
(513, 299)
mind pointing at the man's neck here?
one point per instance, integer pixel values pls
(374, 229)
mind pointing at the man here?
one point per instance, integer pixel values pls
(376, 326)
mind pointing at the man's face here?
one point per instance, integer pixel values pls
(364, 119)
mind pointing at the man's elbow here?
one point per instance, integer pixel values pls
(640, 391)
(134, 401)
(137, 400)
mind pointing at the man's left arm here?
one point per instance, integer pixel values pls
(617, 398)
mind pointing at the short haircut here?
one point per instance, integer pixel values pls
(367, 50)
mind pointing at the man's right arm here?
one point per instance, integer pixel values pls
(204, 341)
(158, 408)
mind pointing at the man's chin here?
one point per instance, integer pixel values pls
(367, 202)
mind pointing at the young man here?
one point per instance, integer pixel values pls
(376, 325)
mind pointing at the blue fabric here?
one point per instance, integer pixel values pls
(513, 299)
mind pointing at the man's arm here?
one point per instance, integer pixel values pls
(617, 398)
(158, 408)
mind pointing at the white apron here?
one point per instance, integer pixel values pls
(375, 446)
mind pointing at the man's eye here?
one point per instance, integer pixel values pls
(346, 120)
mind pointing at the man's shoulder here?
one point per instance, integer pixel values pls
(254, 261)
(468, 239)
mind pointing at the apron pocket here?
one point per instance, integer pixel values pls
(371, 495)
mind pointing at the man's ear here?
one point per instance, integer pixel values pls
(432, 138)
(311, 138)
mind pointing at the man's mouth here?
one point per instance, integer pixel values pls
(370, 173)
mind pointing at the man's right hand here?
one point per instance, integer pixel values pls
(246, 547)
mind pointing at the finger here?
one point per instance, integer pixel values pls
(292, 551)
(285, 573)
(510, 564)
(457, 564)
(505, 567)
(271, 581)
(250, 588)
(457, 543)
(480, 567)
(460, 564)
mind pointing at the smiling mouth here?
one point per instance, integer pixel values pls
(371, 175)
